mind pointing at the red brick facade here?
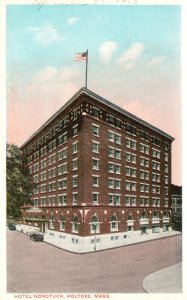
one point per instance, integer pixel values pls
(108, 164)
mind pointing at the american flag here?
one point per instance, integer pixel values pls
(80, 56)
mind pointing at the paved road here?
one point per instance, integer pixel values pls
(40, 267)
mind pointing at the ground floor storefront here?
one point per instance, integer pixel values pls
(89, 229)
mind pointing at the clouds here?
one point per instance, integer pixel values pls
(155, 61)
(107, 49)
(126, 59)
(130, 56)
(72, 21)
(45, 34)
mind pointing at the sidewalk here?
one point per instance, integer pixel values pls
(168, 280)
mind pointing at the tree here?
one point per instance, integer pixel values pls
(19, 183)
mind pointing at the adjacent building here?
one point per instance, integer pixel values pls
(176, 206)
(102, 176)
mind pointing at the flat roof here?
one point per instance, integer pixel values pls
(102, 100)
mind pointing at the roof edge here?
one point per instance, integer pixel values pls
(104, 101)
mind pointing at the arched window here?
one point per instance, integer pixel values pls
(130, 217)
(155, 215)
(114, 223)
(75, 224)
(51, 222)
(143, 216)
(94, 225)
(62, 223)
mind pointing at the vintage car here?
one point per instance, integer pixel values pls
(36, 237)
(12, 226)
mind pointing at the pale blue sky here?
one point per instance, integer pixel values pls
(134, 61)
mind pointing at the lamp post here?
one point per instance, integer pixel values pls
(95, 227)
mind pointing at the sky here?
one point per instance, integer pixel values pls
(134, 61)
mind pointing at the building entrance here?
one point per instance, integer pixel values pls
(143, 229)
(43, 227)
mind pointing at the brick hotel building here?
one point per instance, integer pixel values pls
(102, 176)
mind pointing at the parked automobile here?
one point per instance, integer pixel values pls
(36, 237)
(12, 226)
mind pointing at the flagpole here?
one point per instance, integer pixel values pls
(86, 69)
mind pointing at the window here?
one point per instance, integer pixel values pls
(51, 159)
(74, 198)
(110, 152)
(36, 167)
(166, 180)
(95, 130)
(165, 215)
(62, 199)
(156, 177)
(166, 190)
(35, 201)
(117, 154)
(43, 188)
(110, 119)
(166, 169)
(143, 216)
(52, 186)
(114, 183)
(51, 222)
(74, 147)
(110, 167)
(144, 188)
(62, 184)
(51, 200)
(111, 136)
(95, 147)
(43, 176)
(95, 181)
(144, 201)
(114, 223)
(62, 223)
(74, 164)
(156, 153)
(130, 172)
(114, 137)
(95, 112)
(75, 114)
(35, 178)
(75, 181)
(94, 225)
(127, 200)
(144, 162)
(43, 164)
(43, 201)
(118, 169)
(62, 154)
(75, 224)
(130, 158)
(95, 197)
(130, 186)
(95, 164)
(166, 157)
(52, 145)
(166, 202)
(75, 130)
(118, 139)
(52, 173)
(64, 122)
(156, 202)
(62, 139)
(156, 165)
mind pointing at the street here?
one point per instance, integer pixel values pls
(40, 267)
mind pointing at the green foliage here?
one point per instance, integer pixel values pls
(19, 183)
